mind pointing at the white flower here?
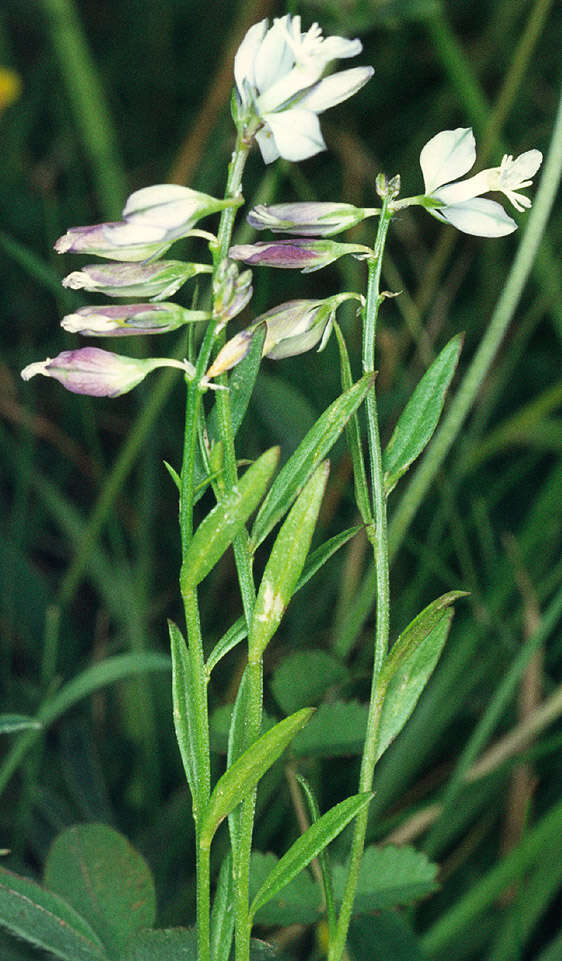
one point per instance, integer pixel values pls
(451, 154)
(278, 73)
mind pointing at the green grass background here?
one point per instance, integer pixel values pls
(115, 96)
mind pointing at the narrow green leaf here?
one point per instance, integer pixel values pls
(222, 917)
(227, 642)
(409, 680)
(314, 562)
(353, 435)
(285, 563)
(245, 773)
(417, 630)
(299, 902)
(236, 745)
(10, 723)
(166, 944)
(46, 920)
(173, 474)
(388, 877)
(182, 697)
(421, 414)
(322, 554)
(219, 528)
(308, 846)
(101, 875)
(323, 860)
(313, 448)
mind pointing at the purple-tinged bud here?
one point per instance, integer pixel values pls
(115, 241)
(100, 373)
(291, 328)
(171, 207)
(232, 291)
(314, 219)
(119, 321)
(300, 254)
(156, 280)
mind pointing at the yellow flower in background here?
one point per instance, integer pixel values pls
(10, 87)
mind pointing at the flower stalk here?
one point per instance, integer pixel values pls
(379, 540)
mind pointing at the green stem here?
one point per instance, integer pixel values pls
(379, 541)
(241, 856)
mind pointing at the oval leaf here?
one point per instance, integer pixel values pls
(101, 875)
(166, 944)
(285, 564)
(219, 528)
(308, 846)
(421, 414)
(313, 448)
(245, 773)
(46, 920)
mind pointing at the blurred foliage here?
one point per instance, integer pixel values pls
(107, 97)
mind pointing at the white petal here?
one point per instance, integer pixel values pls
(524, 167)
(297, 133)
(246, 55)
(125, 234)
(448, 155)
(157, 194)
(336, 88)
(334, 48)
(462, 190)
(483, 218)
(267, 145)
(274, 58)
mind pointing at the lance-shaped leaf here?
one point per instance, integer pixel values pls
(313, 448)
(285, 564)
(245, 773)
(182, 696)
(46, 920)
(410, 664)
(219, 528)
(308, 846)
(421, 414)
(240, 387)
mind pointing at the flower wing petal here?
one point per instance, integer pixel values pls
(297, 133)
(447, 156)
(483, 218)
(246, 55)
(336, 88)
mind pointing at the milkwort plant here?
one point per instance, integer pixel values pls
(281, 88)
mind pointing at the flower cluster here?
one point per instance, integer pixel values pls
(153, 218)
(451, 154)
(281, 87)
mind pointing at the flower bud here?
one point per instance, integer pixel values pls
(100, 373)
(115, 241)
(291, 329)
(155, 280)
(313, 219)
(118, 321)
(173, 208)
(232, 291)
(301, 253)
